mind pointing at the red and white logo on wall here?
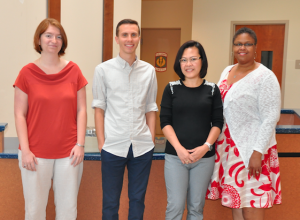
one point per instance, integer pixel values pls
(161, 61)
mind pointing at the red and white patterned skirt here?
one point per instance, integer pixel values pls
(232, 183)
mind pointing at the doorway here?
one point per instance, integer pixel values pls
(165, 41)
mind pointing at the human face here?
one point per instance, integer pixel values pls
(128, 39)
(244, 54)
(51, 40)
(191, 70)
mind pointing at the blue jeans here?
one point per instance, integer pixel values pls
(113, 168)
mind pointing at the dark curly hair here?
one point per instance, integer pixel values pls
(245, 30)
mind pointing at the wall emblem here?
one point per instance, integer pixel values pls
(161, 62)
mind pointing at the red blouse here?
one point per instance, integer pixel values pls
(52, 109)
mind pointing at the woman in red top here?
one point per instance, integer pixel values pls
(50, 117)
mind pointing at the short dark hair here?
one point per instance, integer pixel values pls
(43, 26)
(245, 30)
(191, 43)
(127, 21)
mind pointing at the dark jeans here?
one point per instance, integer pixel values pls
(113, 168)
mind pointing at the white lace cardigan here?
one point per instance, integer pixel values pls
(252, 110)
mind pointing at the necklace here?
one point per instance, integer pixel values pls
(236, 75)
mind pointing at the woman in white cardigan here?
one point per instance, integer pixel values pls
(246, 173)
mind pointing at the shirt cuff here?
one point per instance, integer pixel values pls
(98, 104)
(151, 107)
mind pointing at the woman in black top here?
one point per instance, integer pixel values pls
(191, 120)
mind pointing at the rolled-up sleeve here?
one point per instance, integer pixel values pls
(99, 89)
(217, 110)
(166, 108)
(152, 93)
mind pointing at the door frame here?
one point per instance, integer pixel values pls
(264, 22)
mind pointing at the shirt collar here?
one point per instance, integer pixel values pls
(124, 63)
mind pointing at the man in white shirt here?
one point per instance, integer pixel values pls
(124, 91)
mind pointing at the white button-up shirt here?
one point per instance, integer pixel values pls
(126, 93)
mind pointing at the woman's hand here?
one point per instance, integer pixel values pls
(184, 156)
(78, 154)
(29, 160)
(198, 152)
(255, 164)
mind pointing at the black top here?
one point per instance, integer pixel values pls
(192, 112)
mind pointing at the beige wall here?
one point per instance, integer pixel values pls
(84, 31)
(169, 14)
(126, 9)
(211, 26)
(18, 24)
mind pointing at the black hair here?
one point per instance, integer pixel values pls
(127, 21)
(191, 43)
(245, 30)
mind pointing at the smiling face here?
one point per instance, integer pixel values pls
(244, 54)
(51, 40)
(128, 39)
(191, 70)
